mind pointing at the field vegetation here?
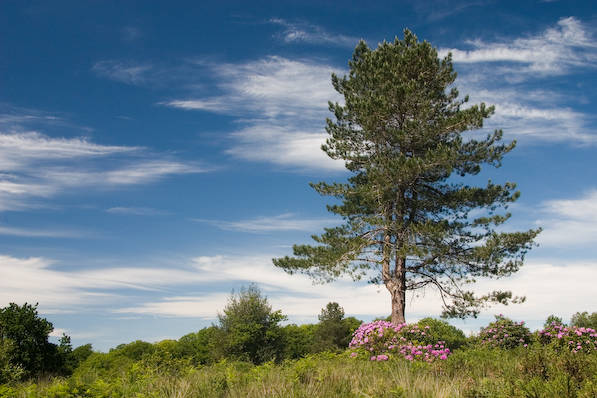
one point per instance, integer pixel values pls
(248, 353)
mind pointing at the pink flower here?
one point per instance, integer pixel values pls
(353, 354)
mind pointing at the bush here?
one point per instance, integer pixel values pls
(250, 329)
(200, 347)
(298, 340)
(505, 334)
(81, 353)
(135, 350)
(334, 332)
(584, 320)
(9, 371)
(380, 340)
(440, 330)
(22, 327)
(573, 338)
(553, 319)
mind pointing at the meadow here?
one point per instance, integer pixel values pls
(382, 360)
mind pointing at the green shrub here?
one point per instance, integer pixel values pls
(505, 333)
(135, 350)
(250, 329)
(584, 320)
(333, 332)
(440, 330)
(570, 338)
(200, 347)
(35, 355)
(298, 340)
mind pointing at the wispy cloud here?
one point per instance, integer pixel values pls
(35, 166)
(308, 33)
(136, 211)
(531, 115)
(299, 298)
(557, 50)
(131, 34)
(282, 104)
(42, 233)
(569, 222)
(113, 288)
(282, 222)
(129, 73)
(506, 73)
(440, 9)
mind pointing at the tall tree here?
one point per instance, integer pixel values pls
(409, 220)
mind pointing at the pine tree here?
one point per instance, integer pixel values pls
(409, 220)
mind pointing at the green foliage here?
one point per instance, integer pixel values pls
(334, 332)
(250, 328)
(505, 333)
(298, 340)
(408, 216)
(9, 371)
(552, 319)
(135, 350)
(81, 353)
(201, 346)
(440, 330)
(536, 371)
(584, 320)
(24, 334)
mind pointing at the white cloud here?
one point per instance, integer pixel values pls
(283, 106)
(282, 222)
(548, 123)
(42, 233)
(557, 50)
(17, 149)
(129, 73)
(308, 33)
(549, 288)
(35, 166)
(569, 222)
(136, 211)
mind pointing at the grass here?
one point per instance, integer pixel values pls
(538, 371)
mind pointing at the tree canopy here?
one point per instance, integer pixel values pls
(249, 327)
(410, 221)
(24, 342)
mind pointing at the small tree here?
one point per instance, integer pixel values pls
(553, 319)
(409, 220)
(250, 329)
(584, 320)
(334, 330)
(27, 333)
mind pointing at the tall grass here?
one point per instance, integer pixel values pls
(537, 371)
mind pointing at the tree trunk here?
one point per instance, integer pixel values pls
(397, 288)
(398, 301)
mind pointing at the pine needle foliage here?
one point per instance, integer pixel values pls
(410, 220)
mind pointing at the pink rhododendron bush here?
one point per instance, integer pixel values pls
(573, 338)
(505, 333)
(382, 340)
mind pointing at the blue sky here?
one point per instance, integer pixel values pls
(153, 157)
